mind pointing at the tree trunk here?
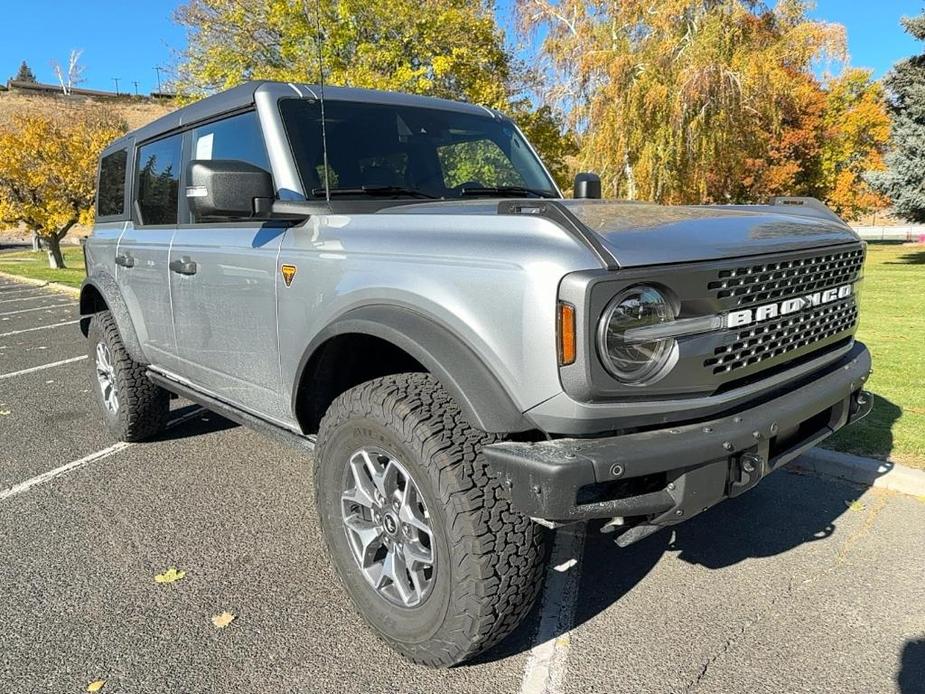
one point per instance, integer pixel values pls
(55, 259)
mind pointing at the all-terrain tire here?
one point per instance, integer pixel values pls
(489, 558)
(143, 407)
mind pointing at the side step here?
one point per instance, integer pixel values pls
(305, 444)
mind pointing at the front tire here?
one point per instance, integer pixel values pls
(133, 407)
(467, 568)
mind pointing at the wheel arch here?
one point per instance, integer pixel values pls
(410, 341)
(100, 292)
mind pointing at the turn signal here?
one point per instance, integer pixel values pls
(565, 324)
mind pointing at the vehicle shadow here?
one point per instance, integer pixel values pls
(911, 676)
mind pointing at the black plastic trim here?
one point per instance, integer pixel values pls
(480, 395)
(106, 285)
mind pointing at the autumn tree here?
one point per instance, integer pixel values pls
(904, 180)
(687, 100)
(446, 48)
(48, 172)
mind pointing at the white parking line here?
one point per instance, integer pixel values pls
(40, 327)
(42, 367)
(92, 458)
(67, 304)
(24, 298)
(548, 661)
(11, 289)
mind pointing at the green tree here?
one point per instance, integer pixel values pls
(24, 74)
(445, 48)
(904, 180)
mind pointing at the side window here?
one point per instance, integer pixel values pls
(110, 197)
(480, 161)
(238, 137)
(158, 176)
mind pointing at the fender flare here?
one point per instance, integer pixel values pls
(481, 396)
(105, 284)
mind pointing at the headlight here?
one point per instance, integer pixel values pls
(627, 357)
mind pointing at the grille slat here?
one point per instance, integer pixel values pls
(755, 284)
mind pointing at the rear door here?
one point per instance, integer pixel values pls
(223, 284)
(143, 252)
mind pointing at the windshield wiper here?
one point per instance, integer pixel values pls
(375, 190)
(518, 191)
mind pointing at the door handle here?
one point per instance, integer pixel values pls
(125, 260)
(183, 266)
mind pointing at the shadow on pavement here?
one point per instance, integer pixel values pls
(911, 677)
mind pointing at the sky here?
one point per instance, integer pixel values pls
(127, 39)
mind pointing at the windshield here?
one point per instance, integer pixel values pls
(383, 150)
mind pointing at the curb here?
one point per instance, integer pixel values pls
(881, 474)
(56, 286)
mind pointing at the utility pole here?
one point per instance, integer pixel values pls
(116, 80)
(136, 87)
(158, 71)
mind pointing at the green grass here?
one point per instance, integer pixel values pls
(34, 265)
(893, 327)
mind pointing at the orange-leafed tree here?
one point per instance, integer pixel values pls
(47, 172)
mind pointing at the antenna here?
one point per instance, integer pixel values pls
(324, 135)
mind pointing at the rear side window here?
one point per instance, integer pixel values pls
(110, 199)
(158, 176)
(238, 137)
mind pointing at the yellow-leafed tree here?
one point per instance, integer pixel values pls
(48, 172)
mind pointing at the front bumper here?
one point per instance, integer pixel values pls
(660, 477)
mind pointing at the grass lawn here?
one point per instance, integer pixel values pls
(35, 265)
(893, 327)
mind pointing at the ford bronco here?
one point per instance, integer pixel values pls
(397, 284)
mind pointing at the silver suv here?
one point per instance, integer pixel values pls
(399, 285)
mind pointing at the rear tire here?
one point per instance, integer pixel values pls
(133, 407)
(487, 559)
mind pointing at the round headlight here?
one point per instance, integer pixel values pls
(627, 357)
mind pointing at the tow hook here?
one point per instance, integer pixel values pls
(747, 469)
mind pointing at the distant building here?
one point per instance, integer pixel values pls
(42, 89)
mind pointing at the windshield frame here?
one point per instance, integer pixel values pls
(310, 193)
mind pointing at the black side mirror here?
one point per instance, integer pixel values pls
(587, 185)
(228, 188)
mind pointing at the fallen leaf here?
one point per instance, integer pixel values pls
(223, 620)
(95, 685)
(169, 576)
(4, 413)
(855, 505)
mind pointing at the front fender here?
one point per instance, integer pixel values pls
(479, 393)
(101, 286)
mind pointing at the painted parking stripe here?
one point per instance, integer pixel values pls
(546, 666)
(39, 327)
(11, 289)
(50, 307)
(43, 367)
(24, 298)
(86, 460)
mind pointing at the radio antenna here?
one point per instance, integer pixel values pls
(319, 43)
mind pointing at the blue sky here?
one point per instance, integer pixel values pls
(127, 39)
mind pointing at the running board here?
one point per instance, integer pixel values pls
(305, 444)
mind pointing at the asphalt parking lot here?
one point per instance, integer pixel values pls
(801, 585)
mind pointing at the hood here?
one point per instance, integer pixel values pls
(639, 234)
(645, 234)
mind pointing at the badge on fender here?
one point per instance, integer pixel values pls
(288, 272)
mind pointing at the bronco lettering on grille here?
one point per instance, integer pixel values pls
(761, 313)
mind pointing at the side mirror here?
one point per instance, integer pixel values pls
(228, 188)
(587, 185)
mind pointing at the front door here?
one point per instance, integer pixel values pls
(223, 286)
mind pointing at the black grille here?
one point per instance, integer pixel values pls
(751, 284)
(771, 339)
